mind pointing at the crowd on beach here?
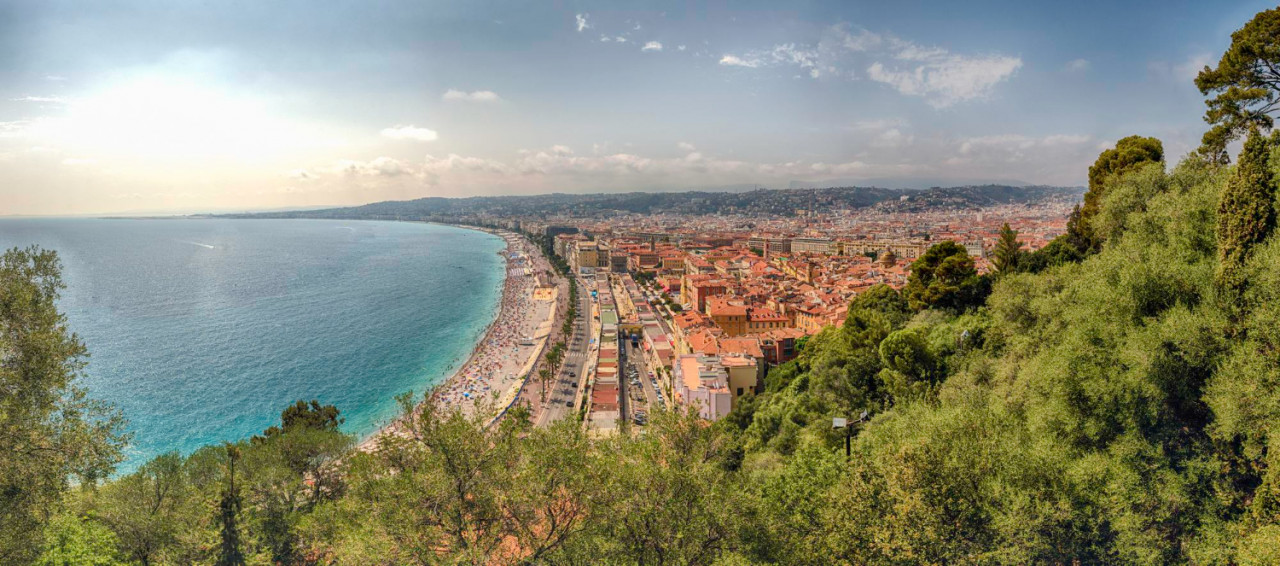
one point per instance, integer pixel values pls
(498, 357)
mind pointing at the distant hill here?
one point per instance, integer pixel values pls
(761, 202)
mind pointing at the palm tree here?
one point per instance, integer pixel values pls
(544, 377)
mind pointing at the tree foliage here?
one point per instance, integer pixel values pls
(1246, 210)
(1245, 84)
(1008, 252)
(50, 431)
(945, 278)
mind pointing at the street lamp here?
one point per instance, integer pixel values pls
(843, 423)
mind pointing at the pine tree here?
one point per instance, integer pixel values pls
(1246, 214)
(1008, 250)
(229, 553)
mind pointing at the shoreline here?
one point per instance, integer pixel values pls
(493, 369)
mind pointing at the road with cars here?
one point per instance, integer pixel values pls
(569, 380)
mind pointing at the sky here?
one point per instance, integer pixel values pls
(132, 107)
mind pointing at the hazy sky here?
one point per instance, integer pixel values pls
(189, 106)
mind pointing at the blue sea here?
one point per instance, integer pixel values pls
(203, 330)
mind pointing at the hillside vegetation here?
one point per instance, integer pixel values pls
(1112, 399)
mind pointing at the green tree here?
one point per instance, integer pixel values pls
(1008, 253)
(77, 541)
(1246, 84)
(945, 278)
(544, 378)
(230, 550)
(146, 509)
(1246, 211)
(50, 430)
(1128, 152)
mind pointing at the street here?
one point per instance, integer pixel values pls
(568, 382)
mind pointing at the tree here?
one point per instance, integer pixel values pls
(1127, 153)
(544, 377)
(229, 547)
(72, 540)
(1246, 214)
(944, 278)
(149, 509)
(308, 416)
(1246, 83)
(1008, 252)
(49, 429)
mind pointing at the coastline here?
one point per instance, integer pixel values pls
(494, 372)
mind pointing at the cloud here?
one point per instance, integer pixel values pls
(735, 61)
(1184, 71)
(680, 48)
(877, 125)
(620, 39)
(79, 161)
(1078, 65)
(54, 78)
(941, 77)
(413, 133)
(582, 22)
(860, 40)
(377, 167)
(887, 149)
(15, 129)
(652, 46)
(473, 96)
(605, 38)
(945, 79)
(1189, 69)
(42, 99)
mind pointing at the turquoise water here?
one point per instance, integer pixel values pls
(203, 330)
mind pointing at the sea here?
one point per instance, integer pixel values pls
(203, 330)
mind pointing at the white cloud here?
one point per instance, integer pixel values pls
(42, 99)
(735, 61)
(945, 79)
(54, 78)
(378, 167)
(652, 46)
(413, 133)
(790, 54)
(680, 48)
(79, 161)
(942, 77)
(605, 38)
(861, 40)
(620, 39)
(15, 129)
(886, 150)
(1190, 68)
(892, 138)
(1184, 71)
(473, 96)
(582, 22)
(1078, 65)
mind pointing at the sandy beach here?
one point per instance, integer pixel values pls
(492, 375)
